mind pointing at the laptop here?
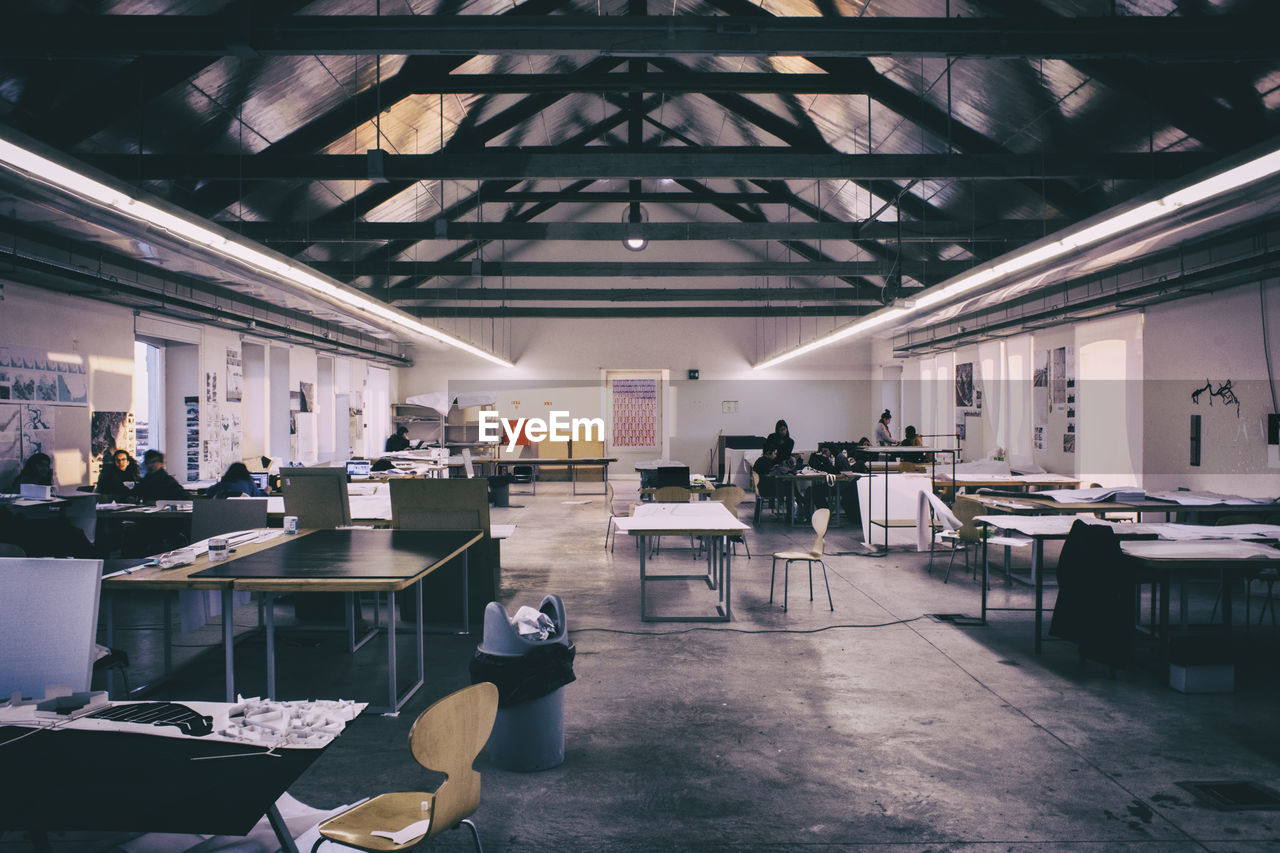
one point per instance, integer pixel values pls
(262, 481)
(358, 467)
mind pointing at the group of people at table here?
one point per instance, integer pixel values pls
(779, 459)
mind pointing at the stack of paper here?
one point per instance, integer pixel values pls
(1096, 495)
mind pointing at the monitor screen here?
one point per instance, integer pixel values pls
(262, 481)
(358, 467)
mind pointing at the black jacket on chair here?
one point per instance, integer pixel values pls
(1097, 589)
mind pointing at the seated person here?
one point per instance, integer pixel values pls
(38, 471)
(119, 473)
(158, 484)
(235, 482)
(822, 460)
(399, 441)
(762, 466)
(910, 438)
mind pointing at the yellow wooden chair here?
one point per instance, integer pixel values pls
(731, 496)
(446, 738)
(821, 518)
(616, 510)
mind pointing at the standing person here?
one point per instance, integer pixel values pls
(158, 484)
(782, 442)
(119, 472)
(235, 482)
(399, 441)
(884, 438)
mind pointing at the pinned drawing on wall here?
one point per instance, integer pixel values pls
(1058, 380)
(211, 388)
(1223, 392)
(1038, 441)
(964, 385)
(1040, 389)
(37, 429)
(192, 409)
(306, 396)
(34, 374)
(295, 401)
(1068, 442)
(10, 441)
(229, 438)
(235, 376)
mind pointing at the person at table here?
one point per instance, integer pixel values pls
(823, 459)
(37, 471)
(783, 443)
(911, 438)
(235, 482)
(884, 438)
(158, 484)
(762, 466)
(119, 473)
(398, 441)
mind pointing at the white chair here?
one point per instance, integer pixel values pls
(466, 463)
(820, 520)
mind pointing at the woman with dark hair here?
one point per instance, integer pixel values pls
(37, 471)
(234, 483)
(884, 438)
(119, 472)
(782, 441)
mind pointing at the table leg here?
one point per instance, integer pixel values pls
(391, 652)
(726, 569)
(271, 644)
(108, 605)
(466, 593)
(228, 642)
(166, 630)
(282, 830)
(985, 579)
(644, 547)
(418, 629)
(1037, 557)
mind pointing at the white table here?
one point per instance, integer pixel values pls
(706, 519)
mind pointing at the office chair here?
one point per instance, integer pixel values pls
(821, 518)
(446, 738)
(211, 517)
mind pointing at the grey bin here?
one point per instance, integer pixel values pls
(528, 734)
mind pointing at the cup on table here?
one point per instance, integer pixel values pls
(290, 524)
(217, 550)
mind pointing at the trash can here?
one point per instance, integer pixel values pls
(530, 673)
(500, 489)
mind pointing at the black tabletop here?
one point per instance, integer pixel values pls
(113, 781)
(354, 553)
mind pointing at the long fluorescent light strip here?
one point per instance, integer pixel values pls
(47, 171)
(1234, 178)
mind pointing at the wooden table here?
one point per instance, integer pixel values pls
(349, 561)
(572, 464)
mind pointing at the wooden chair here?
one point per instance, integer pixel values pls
(821, 518)
(731, 496)
(760, 499)
(446, 738)
(616, 510)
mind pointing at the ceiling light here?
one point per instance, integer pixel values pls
(634, 216)
(39, 168)
(1084, 234)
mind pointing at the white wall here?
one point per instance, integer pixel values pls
(103, 334)
(824, 396)
(1216, 337)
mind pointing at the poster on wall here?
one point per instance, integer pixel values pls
(30, 374)
(192, 409)
(211, 388)
(306, 426)
(235, 376)
(964, 385)
(1040, 389)
(37, 429)
(10, 437)
(635, 412)
(109, 432)
(1068, 442)
(306, 396)
(229, 438)
(1058, 380)
(1038, 441)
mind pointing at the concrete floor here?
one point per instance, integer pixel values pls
(872, 727)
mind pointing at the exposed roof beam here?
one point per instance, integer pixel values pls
(1227, 38)
(671, 83)
(938, 270)
(740, 163)
(497, 196)
(912, 232)
(635, 294)
(770, 311)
